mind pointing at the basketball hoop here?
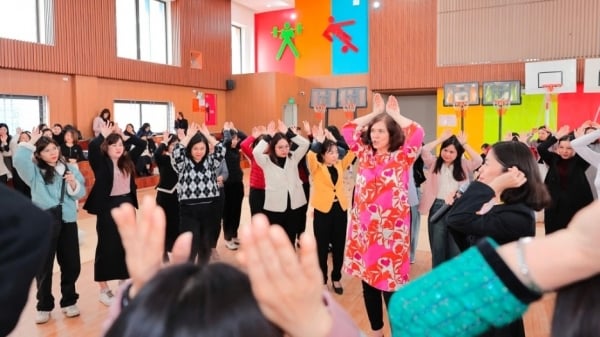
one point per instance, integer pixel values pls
(320, 111)
(550, 87)
(349, 110)
(461, 106)
(501, 105)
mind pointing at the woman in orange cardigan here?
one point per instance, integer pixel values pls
(330, 202)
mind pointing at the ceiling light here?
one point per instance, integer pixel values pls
(376, 4)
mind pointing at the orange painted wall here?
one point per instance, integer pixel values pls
(474, 117)
(315, 50)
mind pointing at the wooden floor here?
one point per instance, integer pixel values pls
(93, 313)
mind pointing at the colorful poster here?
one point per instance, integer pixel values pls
(210, 117)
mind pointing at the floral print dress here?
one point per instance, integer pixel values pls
(378, 241)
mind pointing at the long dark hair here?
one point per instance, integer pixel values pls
(124, 163)
(457, 170)
(577, 308)
(394, 130)
(534, 192)
(104, 111)
(48, 171)
(190, 300)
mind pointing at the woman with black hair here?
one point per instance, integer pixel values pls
(100, 121)
(500, 205)
(284, 194)
(166, 190)
(54, 185)
(198, 191)
(566, 180)
(330, 201)
(114, 184)
(5, 153)
(447, 172)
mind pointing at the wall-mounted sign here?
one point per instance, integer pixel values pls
(286, 35)
(335, 30)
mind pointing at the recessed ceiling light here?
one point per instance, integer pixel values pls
(376, 4)
(293, 16)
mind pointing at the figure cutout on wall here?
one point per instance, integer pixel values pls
(286, 34)
(334, 29)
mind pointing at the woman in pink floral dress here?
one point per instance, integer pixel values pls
(377, 249)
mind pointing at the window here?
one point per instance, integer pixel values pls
(27, 20)
(144, 30)
(236, 49)
(25, 112)
(158, 114)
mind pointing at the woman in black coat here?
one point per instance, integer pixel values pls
(566, 180)
(500, 205)
(114, 184)
(166, 190)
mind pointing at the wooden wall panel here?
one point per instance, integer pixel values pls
(493, 31)
(402, 44)
(259, 98)
(85, 44)
(78, 99)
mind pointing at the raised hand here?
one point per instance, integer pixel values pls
(144, 239)
(318, 132)
(204, 130)
(462, 138)
(512, 178)
(378, 104)
(180, 134)
(288, 287)
(106, 129)
(281, 127)
(271, 128)
(563, 131)
(447, 133)
(306, 127)
(392, 108)
(192, 129)
(166, 136)
(256, 132)
(36, 134)
(227, 126)
(580, 131)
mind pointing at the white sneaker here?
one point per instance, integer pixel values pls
(232, 245)
(236, 240)
(106, 297)
(42, 317)
(71, 311)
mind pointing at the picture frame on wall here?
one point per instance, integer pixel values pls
(465, 91)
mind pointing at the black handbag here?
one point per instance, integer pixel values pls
(56, 211)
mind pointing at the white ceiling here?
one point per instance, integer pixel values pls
(266, 5)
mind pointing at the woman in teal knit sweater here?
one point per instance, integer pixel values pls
(40, 165)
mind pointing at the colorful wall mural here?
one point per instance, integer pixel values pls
(331, 38)
(482, 122)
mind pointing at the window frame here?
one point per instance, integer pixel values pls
(241, 51)
(42, 111)
(169, 115)
(168, 33)
(44, 20)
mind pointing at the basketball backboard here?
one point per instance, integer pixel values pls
(355, 95)
(506, 90)
(591, 77)
(464, 92)
(562, 74)
(327, 96)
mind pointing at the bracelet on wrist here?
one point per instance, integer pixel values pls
(524, 268)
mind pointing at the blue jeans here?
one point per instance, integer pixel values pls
(443, 247)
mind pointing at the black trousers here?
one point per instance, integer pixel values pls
(170, 204)
(256, 199)
(202, 220)
(109, 263)
(330, 228)
(302, 223)
(372, 297)
(234, 195)
(65, 246)
(289, 219)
